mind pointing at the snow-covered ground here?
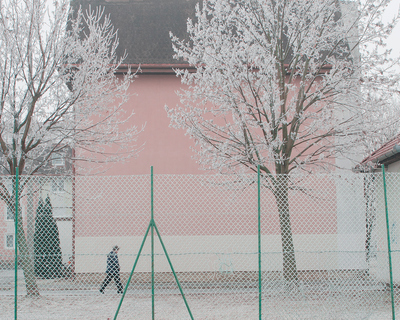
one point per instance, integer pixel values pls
(66, 299)
(93, 305)
(97, 306)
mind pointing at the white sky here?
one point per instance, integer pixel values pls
(394, 40)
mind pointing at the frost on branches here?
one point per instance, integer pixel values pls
(282, 84)
(58, 86)
(58, 92)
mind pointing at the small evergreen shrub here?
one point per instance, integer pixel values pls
(47, 250)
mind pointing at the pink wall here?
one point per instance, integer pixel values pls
(167, 149)
(197, 205)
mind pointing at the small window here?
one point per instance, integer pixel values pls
(57, 159)
(10, 213)
(57, 185)
(9, 241)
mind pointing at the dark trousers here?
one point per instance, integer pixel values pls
(108, 279)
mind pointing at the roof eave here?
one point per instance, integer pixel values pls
(169, 68)
(162, 68)
(389, 157)
(385, 159)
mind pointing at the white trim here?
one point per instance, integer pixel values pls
(62, 212)
(57, 160)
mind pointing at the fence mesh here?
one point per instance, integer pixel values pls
(324, 248)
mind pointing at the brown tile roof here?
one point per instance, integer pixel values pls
(386, 154)
(144, 26)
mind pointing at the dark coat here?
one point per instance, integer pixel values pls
(112, 263)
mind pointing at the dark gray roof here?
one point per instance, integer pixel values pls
(144, 26)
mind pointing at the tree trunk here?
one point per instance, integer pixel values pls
(370, 216)
(24, 255)
(282, 201)
(26, 261)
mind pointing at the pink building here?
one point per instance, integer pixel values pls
(143, 30)
(94, 225)
(191, 217)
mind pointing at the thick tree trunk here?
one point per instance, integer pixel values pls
(25, 258)
(370, 217)
(26, 262)
(282, 200)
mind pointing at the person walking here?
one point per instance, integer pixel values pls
(112, 271)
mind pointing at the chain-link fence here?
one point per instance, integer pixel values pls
(224, 247)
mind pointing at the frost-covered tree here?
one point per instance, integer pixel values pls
(58, 91)
(281, 84)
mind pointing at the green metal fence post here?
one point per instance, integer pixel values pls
(173, 271)
(133, 269)
(152, 226)
(152, 246)
(259, 243)
(16, 245)
(388, 243)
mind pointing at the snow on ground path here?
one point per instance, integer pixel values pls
(94, 306)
